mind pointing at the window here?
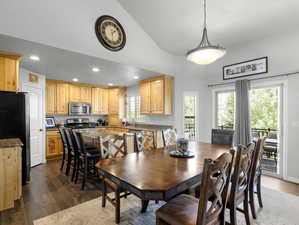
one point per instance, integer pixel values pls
(133, 108)
(225, 109)
(190, 117)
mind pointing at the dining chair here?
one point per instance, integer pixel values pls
(209, 209)
(112, 146)
(144, 140)
(86, 160)
(65, 147)
(169, 137)
(222, 137)
(238, 193)
(256, 173)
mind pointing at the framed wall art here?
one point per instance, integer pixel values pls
(247, 68)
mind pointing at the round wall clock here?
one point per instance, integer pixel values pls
(110, 33)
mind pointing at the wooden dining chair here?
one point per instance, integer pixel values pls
(72, 153)
(112, 146)
(144, 140)
(238, 193)
(87, 158)
(65, 147)
(210, 208)
(256, 173)
(169, 137)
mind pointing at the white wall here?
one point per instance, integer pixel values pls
(283, 53)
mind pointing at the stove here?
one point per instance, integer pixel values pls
(79, 123)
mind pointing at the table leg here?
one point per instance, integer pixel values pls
(144, 205)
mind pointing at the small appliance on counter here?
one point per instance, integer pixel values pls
(79, 109)
(79, 123)
(102, 122)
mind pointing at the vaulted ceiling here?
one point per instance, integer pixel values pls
(176, 25)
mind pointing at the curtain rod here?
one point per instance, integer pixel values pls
(260, 78)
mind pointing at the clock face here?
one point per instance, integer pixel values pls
(110, 33)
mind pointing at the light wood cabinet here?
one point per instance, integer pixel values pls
(9, 72)
(54, 146)
(75, 93)
(62, 98)
(85, 94)
(99, 101)
(50, 97)
(114, 120)
(10, 176)
(156, 95)
(113, 102)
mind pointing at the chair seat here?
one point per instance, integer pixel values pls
(92, 152)
(181, 210)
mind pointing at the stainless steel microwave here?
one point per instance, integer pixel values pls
(79, 109)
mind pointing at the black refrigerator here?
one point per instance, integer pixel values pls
(14, 123)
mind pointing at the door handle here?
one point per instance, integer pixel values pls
(41, 130)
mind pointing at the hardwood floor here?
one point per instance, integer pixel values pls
(51, 191)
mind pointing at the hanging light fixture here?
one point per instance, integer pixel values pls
(205, 53)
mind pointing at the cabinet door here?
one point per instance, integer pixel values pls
(157, 97)
(54, 146)
(75, 93)
(104, 97)
(113, 101)
(50, 97)
(145, 103)
(62, 99)
(85, 94)
(9, 73)
(95, 100)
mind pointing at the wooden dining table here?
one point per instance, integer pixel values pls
(155, 175)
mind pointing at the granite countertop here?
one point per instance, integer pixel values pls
(10, 142)
(140, 127)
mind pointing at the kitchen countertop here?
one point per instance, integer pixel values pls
(10, 142)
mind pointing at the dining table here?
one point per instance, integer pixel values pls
(155, 175)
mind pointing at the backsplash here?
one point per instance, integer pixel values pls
(60, 119)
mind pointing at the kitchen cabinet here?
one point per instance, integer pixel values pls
(54, 146)
(9, 72)
(85, 94)
(145, 98)
(156, 95)
(99, 101)
(62, 98)
(113, 103)
(75, 93)
(50, 97)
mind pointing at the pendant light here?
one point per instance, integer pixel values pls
(205, 53)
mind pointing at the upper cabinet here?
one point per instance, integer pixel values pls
(9, 72)
(156, 95)
(99, 101)
(113, 102)
(80, 93)
(51, 97)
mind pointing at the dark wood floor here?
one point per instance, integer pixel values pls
(51, 191)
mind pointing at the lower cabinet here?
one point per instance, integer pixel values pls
(54, 146)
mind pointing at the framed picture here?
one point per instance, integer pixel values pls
(50, 122)
(247, 68)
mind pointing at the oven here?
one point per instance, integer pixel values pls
(79, 109)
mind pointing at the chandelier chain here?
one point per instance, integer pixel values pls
(205, 13)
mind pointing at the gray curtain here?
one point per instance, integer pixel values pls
(242, 119)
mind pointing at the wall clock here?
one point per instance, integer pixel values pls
(110, 33)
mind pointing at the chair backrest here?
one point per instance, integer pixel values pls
(113, 145)
(214, 189)
(63, 138)
(70, 140)
(242, 170)
(144, 140)
(222, 137)
(169, 137)
(257, 157)
(79, 141)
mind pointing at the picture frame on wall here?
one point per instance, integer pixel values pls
(246, 68)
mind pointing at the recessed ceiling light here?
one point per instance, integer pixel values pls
(34, 57)
(110, 84)
(136, 77)
(95, 69)
(75, 79)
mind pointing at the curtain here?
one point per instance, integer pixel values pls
(242, 119)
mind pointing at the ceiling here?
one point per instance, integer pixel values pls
(176, 25)
(65, 65)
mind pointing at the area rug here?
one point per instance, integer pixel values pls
(279, 209)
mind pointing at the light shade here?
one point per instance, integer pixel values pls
(205, 55)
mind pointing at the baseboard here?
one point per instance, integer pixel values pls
(292, 179)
